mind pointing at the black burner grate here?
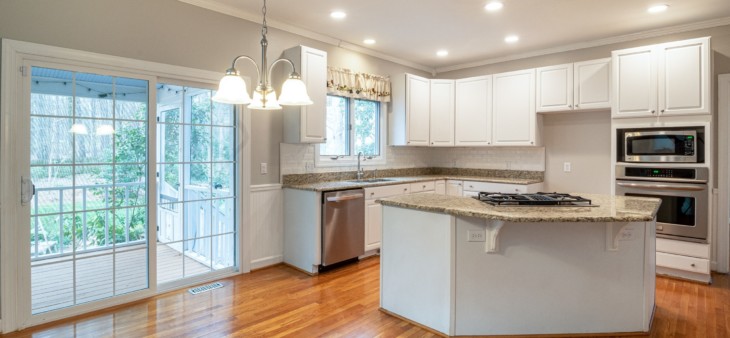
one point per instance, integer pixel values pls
(537, 199)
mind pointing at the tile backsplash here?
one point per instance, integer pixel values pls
(299, 158)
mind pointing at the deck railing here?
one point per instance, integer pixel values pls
(40, 244)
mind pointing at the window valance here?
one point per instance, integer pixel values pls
(344, 82)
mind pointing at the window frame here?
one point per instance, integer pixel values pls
(324, 161)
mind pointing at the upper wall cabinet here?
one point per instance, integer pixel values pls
(473, 115)
(574, 86)
(307, 124)
(662, 80)
(409, 120)
(514, 116)
(442, 113)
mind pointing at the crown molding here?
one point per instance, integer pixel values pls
(596, 43)
(238, 13)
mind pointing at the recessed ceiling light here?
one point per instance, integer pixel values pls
(369, 41)
(494, 6)
(658, 8)
(511, 39)
(442, 52)
(338, 15)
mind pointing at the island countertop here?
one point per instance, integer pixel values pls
(609, 208)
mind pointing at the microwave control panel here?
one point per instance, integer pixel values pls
(661, 172)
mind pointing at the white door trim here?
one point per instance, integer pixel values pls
(723, 170)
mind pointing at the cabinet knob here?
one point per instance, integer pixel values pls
(570, 106)
(576, 106)
(662, 110)
(372, 193)
(653, 111)
(532, 142)
(325, 139)
(489, 142)
(693, 265)
(424, 185)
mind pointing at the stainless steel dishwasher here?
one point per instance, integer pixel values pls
(343, 225)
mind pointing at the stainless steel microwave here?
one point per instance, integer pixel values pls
(660, 146)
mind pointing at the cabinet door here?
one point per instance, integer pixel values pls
(418, 91)
(592, 84)
(454, 188)
(442, 113)
(373, 223)
(514, 108)
(314, 74)
(684, 77)
(555, 88)
(473, 111)
(440, 187)
(634, 82)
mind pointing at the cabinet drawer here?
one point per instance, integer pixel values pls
(683, 248)
(494, 187)
(685, 263)
(388, 190)
(422, 186)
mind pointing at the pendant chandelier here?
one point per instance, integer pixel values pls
(232, 88)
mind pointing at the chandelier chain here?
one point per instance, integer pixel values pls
(264, 27)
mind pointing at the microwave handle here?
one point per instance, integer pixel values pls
(662, 186)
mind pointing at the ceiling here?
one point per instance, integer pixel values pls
(411, 31)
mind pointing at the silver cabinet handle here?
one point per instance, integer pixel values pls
(344, 198)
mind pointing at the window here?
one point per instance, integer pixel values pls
(353, 126)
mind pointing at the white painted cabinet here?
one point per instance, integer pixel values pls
(592, 84)
(439, 187)
(442, 113)
(473, 111)
(574, 86)
(514, 116)
(454, 187)
(555, 88)
(409, 121)
(373, 211)
(307, 124)
(666, 79)
(472, 188)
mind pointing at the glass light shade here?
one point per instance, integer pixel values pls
(104, 130)
(271, 103)
(78, 128)
(294, 93)
(232, 90)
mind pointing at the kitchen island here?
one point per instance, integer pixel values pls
(462, 267)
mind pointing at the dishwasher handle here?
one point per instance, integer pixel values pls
(345, 197)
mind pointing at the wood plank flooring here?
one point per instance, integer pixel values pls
(280, 301)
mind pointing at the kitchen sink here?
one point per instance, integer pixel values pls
(372, 180)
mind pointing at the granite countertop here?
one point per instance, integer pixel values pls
(354, 184)
(609, 209)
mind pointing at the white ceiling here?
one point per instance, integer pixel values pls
(411, 31)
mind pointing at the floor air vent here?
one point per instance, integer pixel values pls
(204, 288)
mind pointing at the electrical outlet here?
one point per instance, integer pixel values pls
(264, 168)
(476, 235)
(309, 167)
(627, 234)
(567, 167)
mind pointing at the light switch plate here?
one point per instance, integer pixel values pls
(264, 168)
(567, 167)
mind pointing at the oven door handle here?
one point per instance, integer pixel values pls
(662, 186)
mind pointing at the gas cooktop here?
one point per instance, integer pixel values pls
(537, 199)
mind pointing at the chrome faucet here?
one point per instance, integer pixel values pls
(360, 172)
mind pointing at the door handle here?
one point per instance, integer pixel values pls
(661, 186)
(27, 190)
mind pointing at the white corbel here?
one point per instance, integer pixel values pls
(492, 233)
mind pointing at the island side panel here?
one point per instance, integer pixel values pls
(550, 278)
(649, 272)
(302, 229)
(416, 266)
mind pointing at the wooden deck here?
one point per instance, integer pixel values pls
(53, 279)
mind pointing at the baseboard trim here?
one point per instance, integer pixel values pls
(266, 261)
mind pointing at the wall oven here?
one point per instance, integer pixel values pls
(683, 214)
(661, 145)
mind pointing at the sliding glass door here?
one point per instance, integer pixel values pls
(88, 223)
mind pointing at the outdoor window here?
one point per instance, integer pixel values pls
(353, 126)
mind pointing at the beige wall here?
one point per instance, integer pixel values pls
(172, 32)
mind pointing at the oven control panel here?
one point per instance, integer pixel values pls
(661, 172)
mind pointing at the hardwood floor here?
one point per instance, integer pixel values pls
(280, 301)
